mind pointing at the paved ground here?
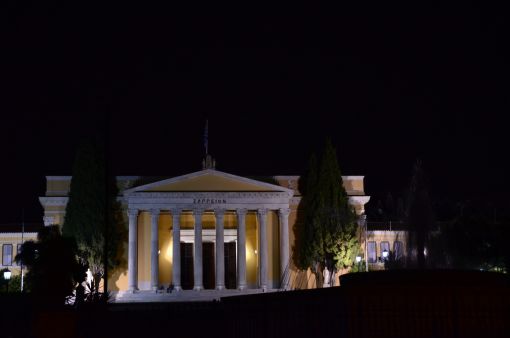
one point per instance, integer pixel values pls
(181, 296)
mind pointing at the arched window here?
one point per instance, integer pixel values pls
(7, 254)
(372, 252)
(398, 249)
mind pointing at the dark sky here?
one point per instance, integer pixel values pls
(386, 88)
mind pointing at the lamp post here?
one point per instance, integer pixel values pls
(7, 277)
(358, 261)
(385, 254)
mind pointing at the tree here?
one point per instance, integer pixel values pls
(329, 228)
(54, 269)
(474, 240)
(420, 215)
(93, 211)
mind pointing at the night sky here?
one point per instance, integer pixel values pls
(386, 88)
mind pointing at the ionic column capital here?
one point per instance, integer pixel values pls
(242, 212)
(198, 212)
(175, 212)
(132, 212)
(219, 212)
(155, 212)
(284, 211)
(262, 212)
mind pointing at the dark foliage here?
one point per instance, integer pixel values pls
(93, 210)
(475, 240)
(326, 235)
(420, 216)
(54, 270)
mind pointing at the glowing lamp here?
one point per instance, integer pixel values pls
(385, 254)
(358, 259)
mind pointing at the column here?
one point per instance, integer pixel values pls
(284, 248)
(176, 257)
(132, 251)
(154, 250)
(241, 249)
(198, 251)
(220, 250)
(262, 213)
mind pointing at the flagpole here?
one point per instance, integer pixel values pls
(22, 240)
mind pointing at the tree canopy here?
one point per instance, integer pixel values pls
(54, 269)
(420, 215)
(328, 231)
(93, 213)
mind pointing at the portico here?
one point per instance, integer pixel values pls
(209, 231)
(194, 208)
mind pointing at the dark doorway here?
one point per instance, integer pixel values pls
(230, 265)
(208, 266)
(187, 266)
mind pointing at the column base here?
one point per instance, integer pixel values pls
(220, 287)
(177, 288)
(242, 287)
(154, 288)
(264, 288)
(198, 288)
(133, 289)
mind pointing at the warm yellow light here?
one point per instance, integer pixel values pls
(169, 251)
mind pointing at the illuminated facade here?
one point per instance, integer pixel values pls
(205, 230)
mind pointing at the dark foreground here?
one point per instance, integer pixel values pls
(381, 304)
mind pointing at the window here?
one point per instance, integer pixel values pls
(385, 246)
(7, 254)
(18, 249)
(372, 252)
(398, 249)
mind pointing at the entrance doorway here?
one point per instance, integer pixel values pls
(208, 265)
(187, 266)
(230, 265)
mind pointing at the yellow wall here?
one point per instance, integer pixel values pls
(354, 186)
(144, 250)
(251, 246)
(165, 247)
(57, 188)
(14, 239)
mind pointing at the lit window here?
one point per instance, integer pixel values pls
(398, 248)
(372, 252)
(7, 254)
(385, 247)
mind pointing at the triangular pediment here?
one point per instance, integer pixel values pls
(208, 180)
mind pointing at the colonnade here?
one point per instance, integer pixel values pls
(220, 266)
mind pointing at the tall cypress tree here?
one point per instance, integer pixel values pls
(329, 227)
(420, 215)
(93, 210)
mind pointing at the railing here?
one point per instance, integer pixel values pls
(387, 226)
(398, 226)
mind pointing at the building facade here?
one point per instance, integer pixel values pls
(205, 230)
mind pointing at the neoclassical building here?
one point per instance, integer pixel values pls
(204, 230)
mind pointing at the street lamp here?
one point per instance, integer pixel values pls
(358, 261)
(385, 254)
(7, 277)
